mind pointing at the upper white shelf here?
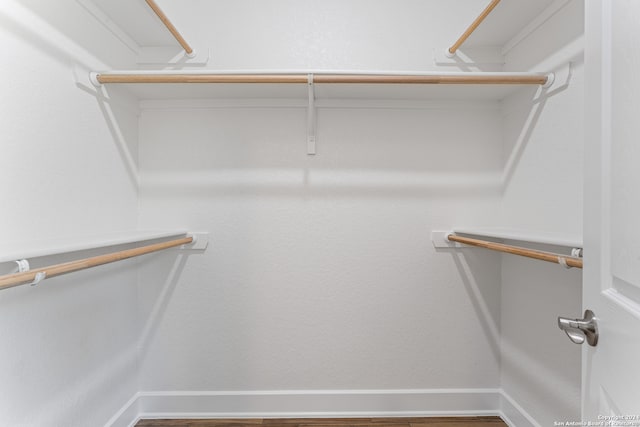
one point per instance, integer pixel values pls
(547, 238)
(33, 249)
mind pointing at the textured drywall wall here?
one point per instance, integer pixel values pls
(69, 354)
(320, 274)
(541, 368)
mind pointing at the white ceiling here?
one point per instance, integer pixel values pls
(198, 19)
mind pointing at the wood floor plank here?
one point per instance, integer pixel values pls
(461, 424)
(447, 421)
(397, 424)
(331, 422)
(326, 421)
(432, 420)
(200, 423)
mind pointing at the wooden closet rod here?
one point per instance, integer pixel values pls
(477, 78)
(473, 26)
(515, 250)
(16, 279)
(154, 6)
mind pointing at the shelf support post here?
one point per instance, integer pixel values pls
(311, 118)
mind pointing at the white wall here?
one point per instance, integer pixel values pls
(68, 353)
(543, 192)
(321, 274)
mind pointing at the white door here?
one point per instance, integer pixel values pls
(611, 370)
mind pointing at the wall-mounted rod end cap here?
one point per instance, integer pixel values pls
(551, 77)
(93, 77)
(191, 55)
(200, 241)
(440, 239)
(449, 54)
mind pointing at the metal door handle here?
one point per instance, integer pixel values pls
(579, 330)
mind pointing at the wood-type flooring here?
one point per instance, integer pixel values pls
(331, 422)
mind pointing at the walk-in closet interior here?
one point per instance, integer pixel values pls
(292, 208)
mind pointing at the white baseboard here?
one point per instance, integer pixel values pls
(322, 404)
(513, 414)
(128, 415)
(308, 403)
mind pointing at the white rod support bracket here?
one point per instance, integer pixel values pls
(558, 79)
(440, 240)
(23, 265)
(311, 118)
(39, 278)
(449, 54)
(93, 77)
(200, 241)
(551, 78)
(563, 262)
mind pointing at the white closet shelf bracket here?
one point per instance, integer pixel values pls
(311, 118)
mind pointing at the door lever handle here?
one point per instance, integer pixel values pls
(579, 330)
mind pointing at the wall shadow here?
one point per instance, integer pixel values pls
(480, 274)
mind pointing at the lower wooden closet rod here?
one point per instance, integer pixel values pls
(16, 279)
(515, 250)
